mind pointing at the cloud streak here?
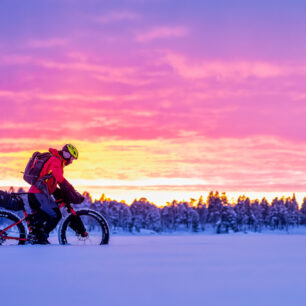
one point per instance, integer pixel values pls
(162, 32)
(228, 69)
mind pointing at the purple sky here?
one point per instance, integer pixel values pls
(200, 93)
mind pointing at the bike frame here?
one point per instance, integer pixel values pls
(60, 204)
(12, 225)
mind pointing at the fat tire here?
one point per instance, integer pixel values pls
(13, 217)
(84, 212)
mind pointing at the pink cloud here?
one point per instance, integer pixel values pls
(225, 69)
(141, 97)
(162, 32)
(108, 73)
(90, 100)
(82, 65)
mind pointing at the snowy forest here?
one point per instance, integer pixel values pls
(198, 215)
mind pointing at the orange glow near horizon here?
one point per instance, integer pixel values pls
(128, 170)
(161, 196)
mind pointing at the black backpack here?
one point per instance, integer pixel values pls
(11, 201)
(34, 167)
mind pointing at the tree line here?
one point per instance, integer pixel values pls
(199, 215)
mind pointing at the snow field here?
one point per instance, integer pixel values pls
(235, 269)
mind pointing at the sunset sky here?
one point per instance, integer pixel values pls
(163, 98)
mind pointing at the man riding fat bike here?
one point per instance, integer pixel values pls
(45, 172)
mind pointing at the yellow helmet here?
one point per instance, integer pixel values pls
(72, 150)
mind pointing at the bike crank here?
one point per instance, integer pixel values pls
(3, 237)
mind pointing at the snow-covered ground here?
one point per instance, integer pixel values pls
(235, 269)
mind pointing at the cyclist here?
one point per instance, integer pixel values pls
(47, 213)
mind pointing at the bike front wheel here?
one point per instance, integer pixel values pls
(95, 225)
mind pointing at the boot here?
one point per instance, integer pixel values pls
(38, 236)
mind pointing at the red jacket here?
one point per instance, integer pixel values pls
(56, 165)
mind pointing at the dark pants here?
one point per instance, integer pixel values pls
(48, 211)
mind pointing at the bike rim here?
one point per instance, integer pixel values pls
(10, 236)
(93, 228)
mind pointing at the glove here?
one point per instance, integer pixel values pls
(70, 194)
(79, 198)
(58, 195)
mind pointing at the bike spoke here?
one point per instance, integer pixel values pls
(10, 236)
(93, 230)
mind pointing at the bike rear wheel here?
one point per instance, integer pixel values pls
(95, 225)
(11, 234)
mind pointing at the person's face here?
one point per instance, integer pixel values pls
(68, 158)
